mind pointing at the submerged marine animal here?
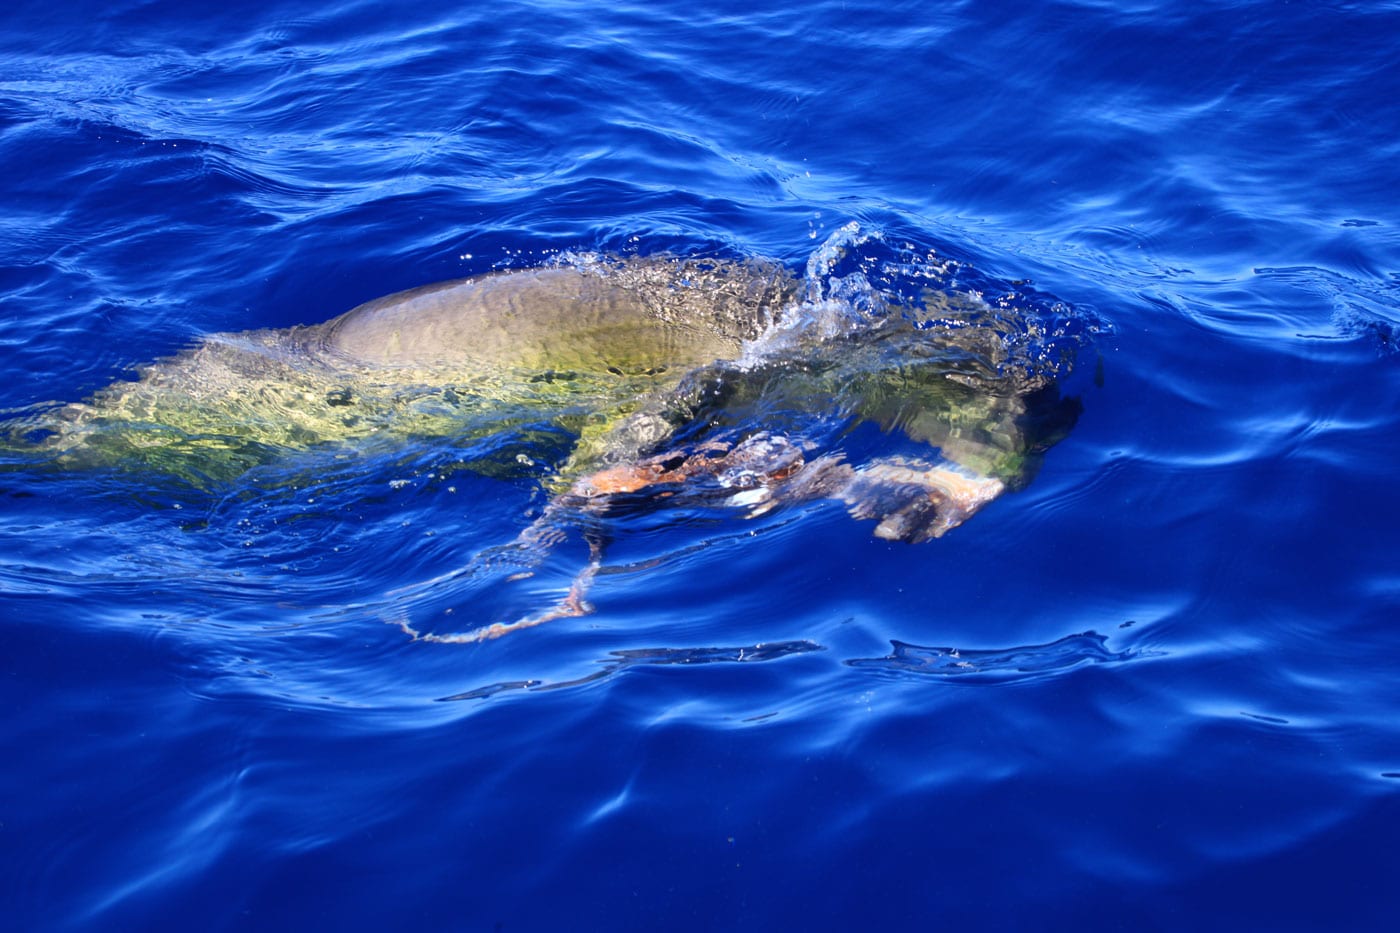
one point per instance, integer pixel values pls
(685, 379)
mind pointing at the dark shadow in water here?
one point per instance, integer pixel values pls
(620, 661)
(995, 665)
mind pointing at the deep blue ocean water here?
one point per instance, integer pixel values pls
(1156, 689)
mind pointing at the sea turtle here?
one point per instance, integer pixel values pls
(679, 378)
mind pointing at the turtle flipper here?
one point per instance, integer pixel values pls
(529, 550)
(912, 500)
(915, 500)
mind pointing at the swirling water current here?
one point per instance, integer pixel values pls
(1154, 689)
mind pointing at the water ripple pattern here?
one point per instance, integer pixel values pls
(1149, 684)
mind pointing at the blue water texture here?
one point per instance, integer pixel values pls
(1158, 688)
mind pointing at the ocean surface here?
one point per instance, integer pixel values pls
(1157, 688)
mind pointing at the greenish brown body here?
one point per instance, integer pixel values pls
(582, 345)
(620, 354)
(561, 319)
